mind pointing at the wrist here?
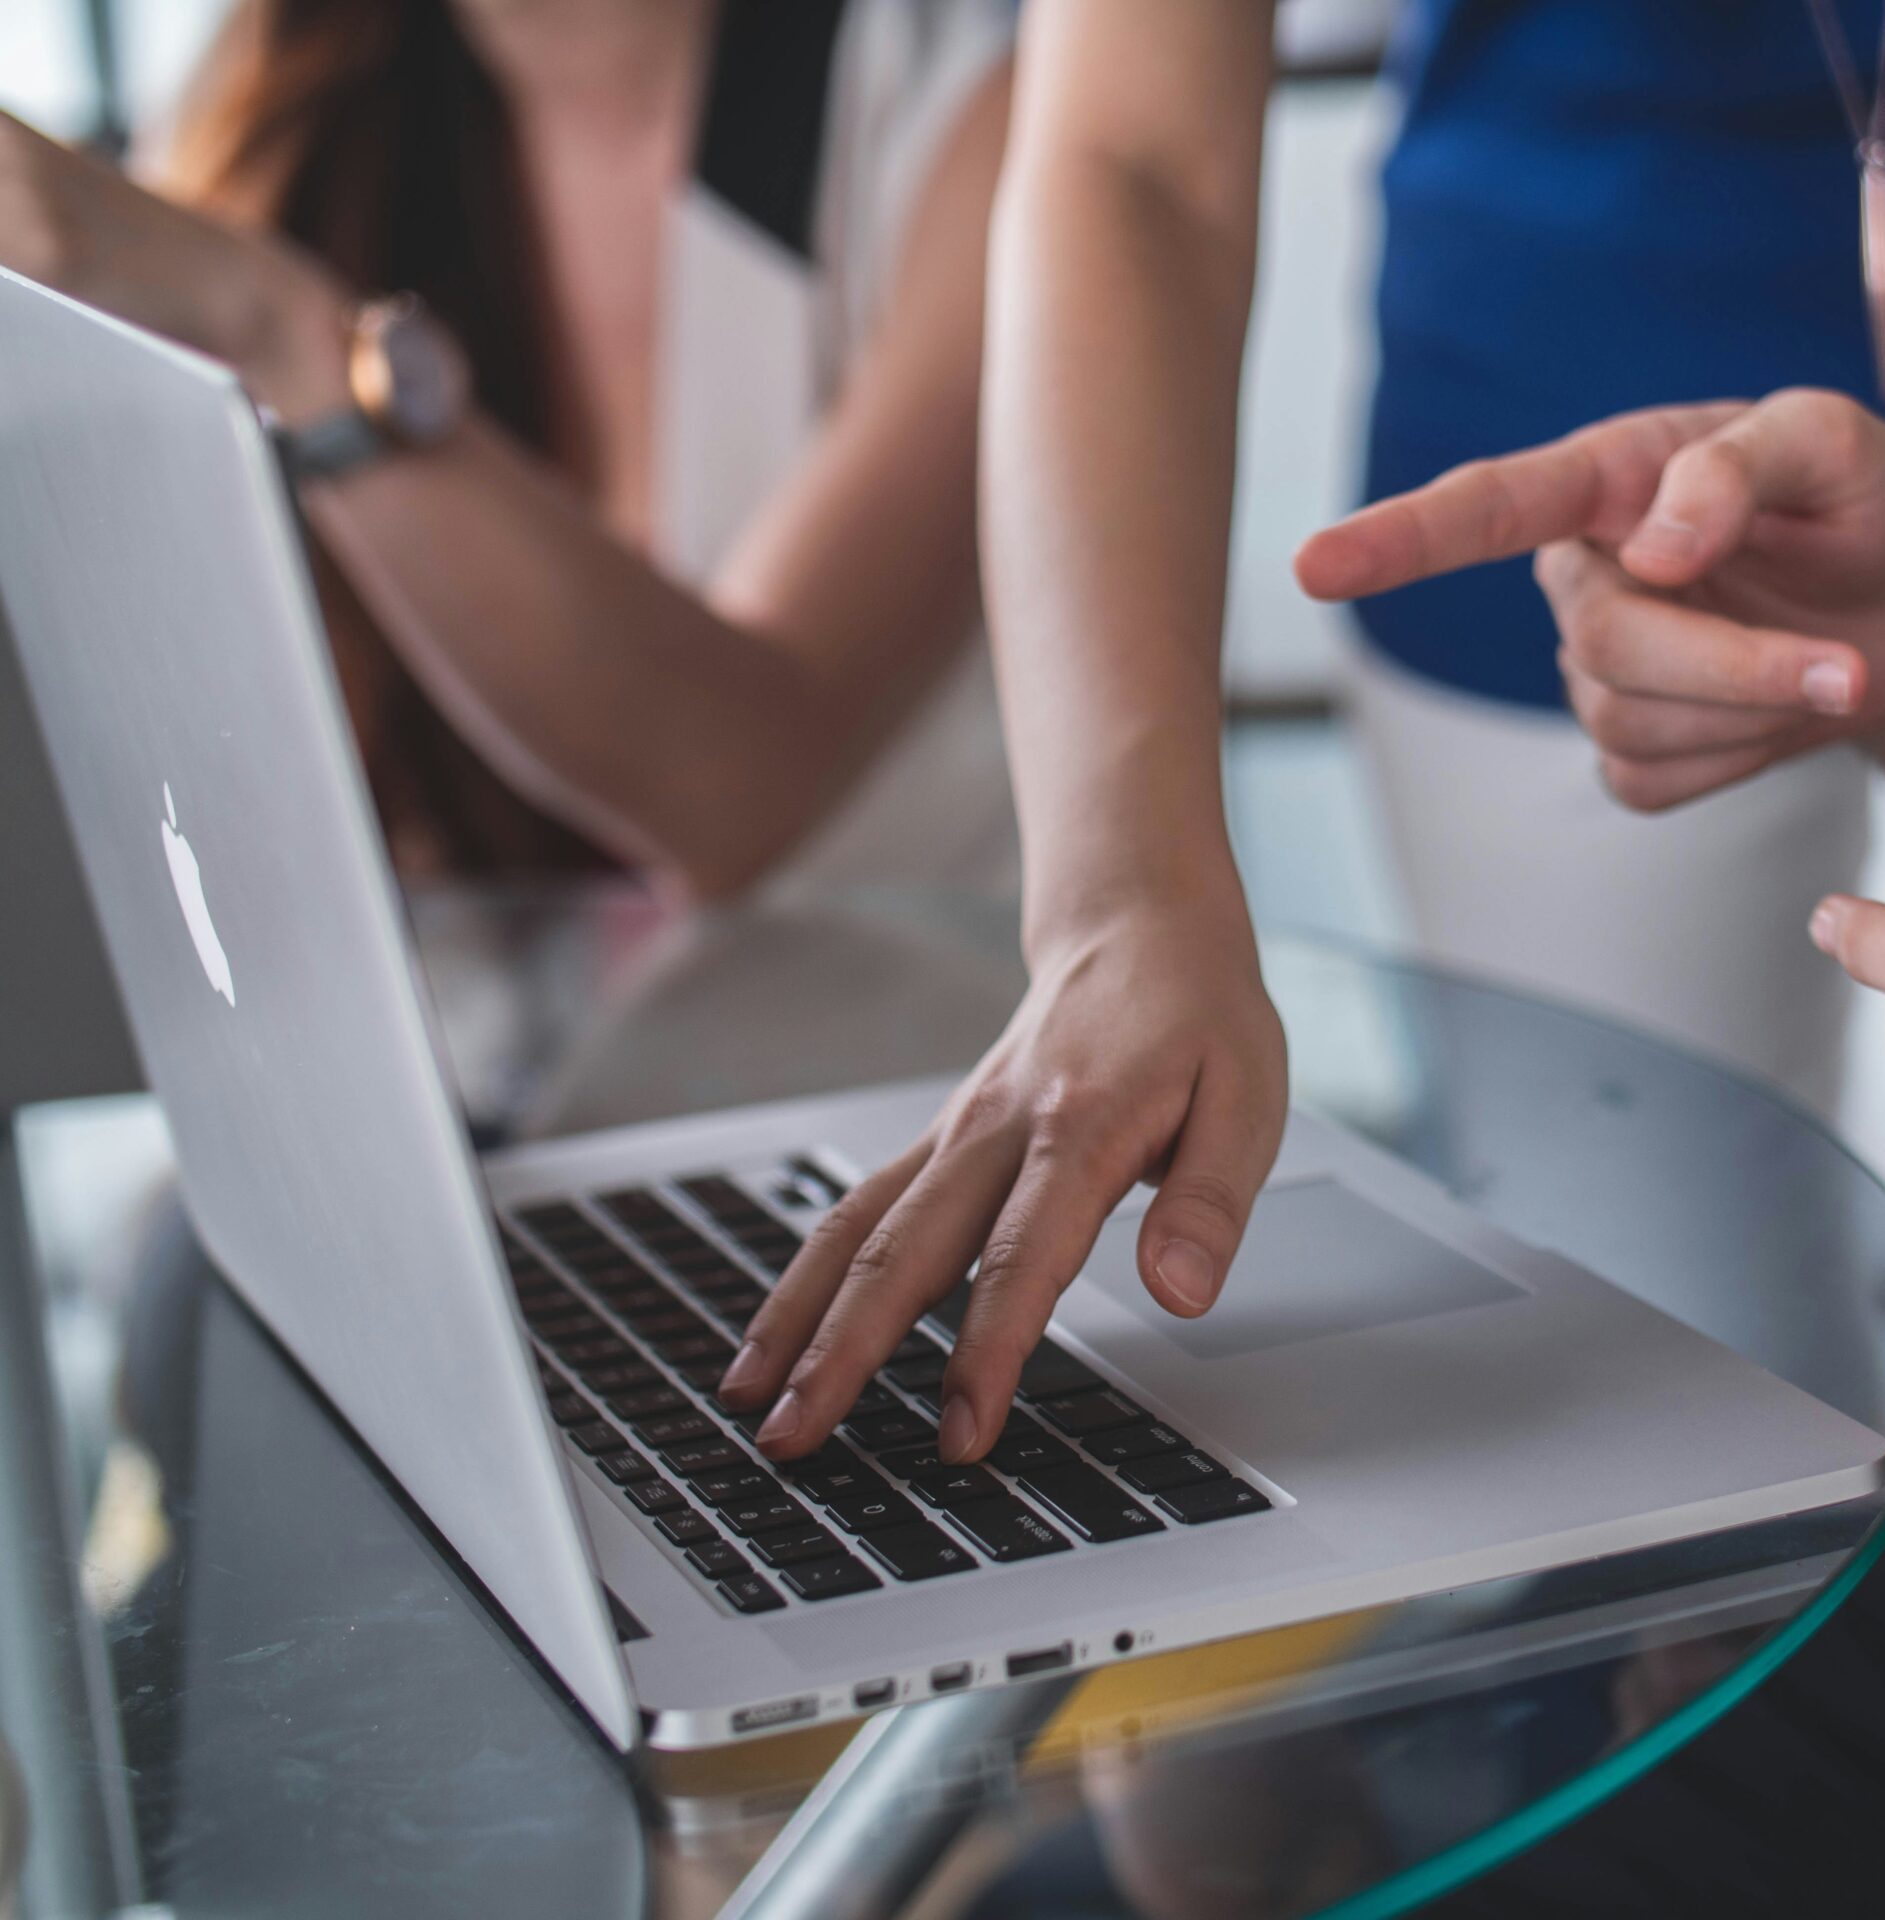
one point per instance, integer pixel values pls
(1188, 875)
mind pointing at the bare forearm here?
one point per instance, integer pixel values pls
(1109, 429)
(608, 695)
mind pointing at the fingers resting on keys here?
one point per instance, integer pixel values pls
(1019, 1191)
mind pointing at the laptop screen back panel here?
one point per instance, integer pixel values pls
(155, 586)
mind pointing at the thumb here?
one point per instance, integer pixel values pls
(1801, 452)
(1192, 1229)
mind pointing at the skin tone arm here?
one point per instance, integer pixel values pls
(707, 734)
(1146, 1047)
(1718, 578)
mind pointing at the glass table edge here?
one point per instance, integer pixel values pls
(1493, 1846)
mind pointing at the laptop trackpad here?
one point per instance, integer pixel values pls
(1318, 1260)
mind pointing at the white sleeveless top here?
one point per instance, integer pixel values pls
(772, 288)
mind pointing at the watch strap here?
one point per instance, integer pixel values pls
(327, 448)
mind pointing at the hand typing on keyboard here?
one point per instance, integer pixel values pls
(1146, 1048)
(630, 1304)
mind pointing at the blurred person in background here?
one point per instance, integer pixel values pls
(1591, 205)
(689, 581)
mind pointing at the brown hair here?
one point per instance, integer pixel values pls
(369, 132)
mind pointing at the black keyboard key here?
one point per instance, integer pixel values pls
(696, 1261)
(1006, 1530)
(955, 1487)
(736, 1485)
(625, 1467)
(651, 1316)
(637, 1300)
(792, 1548)
(643, 1403)
(685, 1527)
(671, 1323)
(915, 1346)
(694, 1459)
(621, 1273)
(717, 1559)
(745, 1297)
(1023, 1447)
(715, 1285)
(875, 1432)
(703, 1375)
(872, 1512)
(716, 1196)
(926, 1370)
(596, 1436)
(773, 1251)
(839, 1480)
(587, 1356)
(1052, 1372)
(670, 1429)
(749, 1593)
(874, 1397)
(770, 1514)
(1082, 1498)
(570, 1409)
(907, 1462)
(919, 1552)
(834, 1453)
(654, 1495)
(554, 1221)
(711, 1350)
(621, 1378)
(1114, 1449)
(607, 1358)
(1212, 1500)
(596, 1257)
(569, 1330)
(1084, 1413)
(634, 1207)
(829, 1579)
(1167, 1470)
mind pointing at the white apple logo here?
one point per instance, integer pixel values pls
(187, 878)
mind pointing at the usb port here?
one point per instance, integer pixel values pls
(948, 1679)
(1042, 1660)
(779, 1713)
(874, 1693)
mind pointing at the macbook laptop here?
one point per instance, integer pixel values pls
(1392, 1397)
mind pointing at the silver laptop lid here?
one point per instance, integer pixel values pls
(153, 579)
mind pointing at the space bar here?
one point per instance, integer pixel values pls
(1090, 1503)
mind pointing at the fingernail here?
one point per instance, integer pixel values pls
(783, 1421)
(1665, 539)
(1188, 1274)
(743, 1369)
(1826, 687)
(956, 1439)
(1825, 924)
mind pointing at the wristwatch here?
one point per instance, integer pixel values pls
(410, 385)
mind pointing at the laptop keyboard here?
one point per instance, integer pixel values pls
(635, 1302)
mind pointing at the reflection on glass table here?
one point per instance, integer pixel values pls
(239, 1673)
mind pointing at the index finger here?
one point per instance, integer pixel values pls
(1594, 484)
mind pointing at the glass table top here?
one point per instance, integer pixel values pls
(238, 1672)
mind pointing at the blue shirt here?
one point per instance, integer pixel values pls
(1596, 205)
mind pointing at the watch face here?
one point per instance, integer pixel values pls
(422, 385)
